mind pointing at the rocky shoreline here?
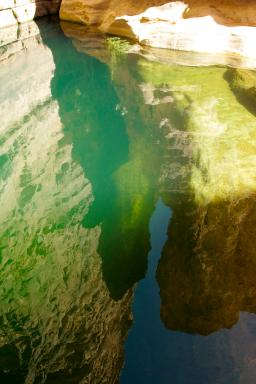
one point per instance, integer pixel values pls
(215, 27)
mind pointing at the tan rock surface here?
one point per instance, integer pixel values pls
(209, 26)
(226, 12)
(7, 18)
(21, 11)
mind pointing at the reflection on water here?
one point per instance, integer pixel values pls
(96, 138)
(144, 333)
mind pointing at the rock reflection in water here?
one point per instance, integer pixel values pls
(119, 132)
(207, 271)
(205, 173)
(93, 120)
(58, 321)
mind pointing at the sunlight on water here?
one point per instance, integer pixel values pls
(117, 170)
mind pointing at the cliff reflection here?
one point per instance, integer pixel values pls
(179, 141)
(207, 270)
(58, 322)
(118, 133)
(203, 165)
(123, 195)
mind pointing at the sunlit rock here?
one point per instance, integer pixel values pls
(189, 26)
(162, 29)
(6, 4)
(7, 18)
(17, 38)
(8, 35)
(21, 11)
(25, 12)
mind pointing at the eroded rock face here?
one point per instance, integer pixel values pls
(20, 11)
(209, 26)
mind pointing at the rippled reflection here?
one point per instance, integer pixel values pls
(58, 321)
(91, 139)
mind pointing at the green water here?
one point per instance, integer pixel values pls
(127, 215)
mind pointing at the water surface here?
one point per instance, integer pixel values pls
(127, 214)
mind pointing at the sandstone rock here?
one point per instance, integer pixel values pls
(171, 31)
(20, 11)
(25, 12)
(207, 26)
(82, 38)
(19, 3)
(7, 18)
(5, 4)
(10, 49)
(225, 12)
(89, 12)
(8, 35)
(16, 38)
(46, 7)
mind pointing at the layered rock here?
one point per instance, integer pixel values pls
(209, 26)
(19, 11)
(17, 38)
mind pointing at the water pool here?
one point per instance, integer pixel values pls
(127, 213)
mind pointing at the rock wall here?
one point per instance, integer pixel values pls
(201, 26)
(20, 11)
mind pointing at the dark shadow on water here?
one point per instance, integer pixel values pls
(243, 84)
(207, 270)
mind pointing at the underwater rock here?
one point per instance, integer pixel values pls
(7, 18)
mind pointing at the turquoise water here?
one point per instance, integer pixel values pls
(127, 214)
